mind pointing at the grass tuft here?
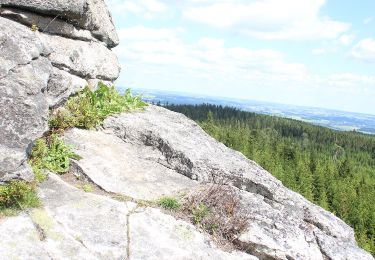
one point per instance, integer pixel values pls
(87, 188)
(169, 203)
(199, 213)
(16, 196)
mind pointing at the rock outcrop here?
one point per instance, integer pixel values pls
(49, 50)
(283, 224)
(145, 155)
(80, 19)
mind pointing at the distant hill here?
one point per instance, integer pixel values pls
(334, 119)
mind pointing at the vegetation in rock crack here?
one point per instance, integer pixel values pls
(52, 154)
(216, 209)
(87, 188)
(34, 28)
(333, 169)
(169, 203)
(89, 108)
(16, 196)
(199, 213)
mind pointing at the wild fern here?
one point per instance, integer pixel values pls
(51, 154)
(88, 108)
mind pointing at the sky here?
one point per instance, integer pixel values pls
(318, 53)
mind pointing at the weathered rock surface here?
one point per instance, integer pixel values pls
(142, 155)
(40, 70)
(78, 225)
(84, 59)
(187, 149)
(155, 235)
(61, 85)
(91, 15)
(24, 72)
(284, 225)
(107, 158)
(50, 25)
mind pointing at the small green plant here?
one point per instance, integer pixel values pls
(51, 153)
(87, 188)
(34, 28)
(199, 213)
(16, 196)
(169, 203)
(88, 108)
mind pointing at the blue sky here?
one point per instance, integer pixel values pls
(304, 52)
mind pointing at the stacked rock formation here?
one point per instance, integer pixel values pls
(49, 50)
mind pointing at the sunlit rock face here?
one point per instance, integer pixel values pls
(49, 50)
(282, 224)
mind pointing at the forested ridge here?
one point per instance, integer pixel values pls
(333, 169)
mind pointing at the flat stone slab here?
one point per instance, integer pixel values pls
(99, 223)
(124, 168)
(20, 240)
(71, 225)
(76, 225)
(155, 236)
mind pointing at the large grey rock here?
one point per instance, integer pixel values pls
(20, 231)
(72, 225)
(98, 223)
(24, 72)
(84, 59)
(155, 236)
(283, 232)
(91, 15)
(78, 225)
(40, 70)
(50, 25)
(187, 149)
(107, 158)
(283, 225)
(61, 86)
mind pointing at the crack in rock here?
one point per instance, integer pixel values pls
(128, 239)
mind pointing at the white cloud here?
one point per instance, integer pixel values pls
(368, 20)
(268, 19)
(346, 39)
(350, 82)
(161, 59)
(319, 51)
(143, 33)
(364, 50)
(144, 8)
(164, 47)
(263, 19)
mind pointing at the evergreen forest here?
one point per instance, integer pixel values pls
(333, 169)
